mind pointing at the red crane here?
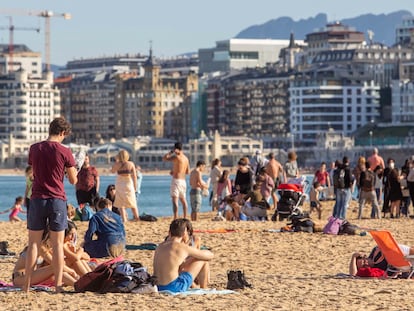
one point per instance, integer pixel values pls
(46, 15)
(11, 29)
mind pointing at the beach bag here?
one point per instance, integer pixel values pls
(126, 277)
(97, 279)
(85, 213)
(302, 223)
(333, 225)
(348, 228)
(147, 217)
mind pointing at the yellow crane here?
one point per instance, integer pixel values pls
(44, 14)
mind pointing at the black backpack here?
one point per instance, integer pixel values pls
(339, 178)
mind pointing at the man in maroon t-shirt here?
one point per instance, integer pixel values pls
(87, 188)
(50, 161)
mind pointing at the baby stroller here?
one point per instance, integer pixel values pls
(292, 196)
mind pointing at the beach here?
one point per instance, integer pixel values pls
(288, 270)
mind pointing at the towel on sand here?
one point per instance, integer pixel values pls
(201, 291)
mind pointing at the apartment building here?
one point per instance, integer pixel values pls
(20, 58)
(27, 105)
(402, 102)
(156, 104)
(240, 54)
(404, 32)
(334, 36)
(254, 102)
(327, 97)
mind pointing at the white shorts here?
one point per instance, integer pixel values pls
(178, 188)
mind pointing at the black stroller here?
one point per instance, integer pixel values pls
(292, 197)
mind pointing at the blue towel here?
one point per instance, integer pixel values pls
(201, 291)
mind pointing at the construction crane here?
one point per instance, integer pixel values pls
(11, 29)
(44, 14)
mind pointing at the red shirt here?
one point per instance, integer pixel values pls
(86, 178)
(370, 272)
(49, 160)
(322, 177)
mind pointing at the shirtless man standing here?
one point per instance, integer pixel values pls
(274, 169)
(172, 267)
(181, 167)
(197, 186)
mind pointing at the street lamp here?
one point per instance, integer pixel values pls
(370, 137)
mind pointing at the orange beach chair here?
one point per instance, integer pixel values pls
(397, 262)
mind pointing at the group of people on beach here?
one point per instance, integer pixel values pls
(371, 180)
(52, 256)
(52, 252)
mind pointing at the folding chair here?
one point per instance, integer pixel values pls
(397, 262)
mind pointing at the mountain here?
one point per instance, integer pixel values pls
(383, 26)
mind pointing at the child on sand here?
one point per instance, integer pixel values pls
(75, 258)
(313, 198)
(15, 210)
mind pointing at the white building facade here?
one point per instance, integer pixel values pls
(319, 105)
(240, 54)
(27, 105)
(402, 102)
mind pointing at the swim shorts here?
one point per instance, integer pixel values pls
(195, 200)
(178, 188)
(180, 284)
(44, 212)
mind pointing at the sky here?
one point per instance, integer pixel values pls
(104, 28)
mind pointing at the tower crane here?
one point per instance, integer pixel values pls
(44, 14)
(11, 29)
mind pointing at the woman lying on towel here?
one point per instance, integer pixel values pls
(43, 273)
(375, 264)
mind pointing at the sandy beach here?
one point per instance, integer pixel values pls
(288, 271)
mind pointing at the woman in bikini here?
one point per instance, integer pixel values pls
(126, 185)
(75, 258)
(43, 273)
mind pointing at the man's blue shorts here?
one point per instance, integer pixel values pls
(180, 284)
(50, 212)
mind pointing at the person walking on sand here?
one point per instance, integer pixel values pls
(126, 185)
(197, 186)
(50, 161)
(87, 188)
(181, 167)
(176, 264)
(15, 210)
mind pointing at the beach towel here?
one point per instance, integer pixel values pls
(219, 230)
(9, 287)
(143, 246)
(200, 291)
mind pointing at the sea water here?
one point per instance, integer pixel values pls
(154, 198)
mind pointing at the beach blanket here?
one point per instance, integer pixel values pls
(200, 291)
(9, 287)
(219, 230)
(144, 246)
(151, 247)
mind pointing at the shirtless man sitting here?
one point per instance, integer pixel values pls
(176, 264)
